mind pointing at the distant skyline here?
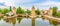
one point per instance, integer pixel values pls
(27, 4)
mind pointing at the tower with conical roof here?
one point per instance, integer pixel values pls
(14, 10)
(50, 11)
(33, 12)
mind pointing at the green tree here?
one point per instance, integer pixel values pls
(37, 12)
(28, 11)
(20, 10)
(0, 10)
(54, 11)
(58, 14)
(5, 10)
(10, 8)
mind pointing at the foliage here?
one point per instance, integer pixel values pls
(37, 12)
(1, 18)
(10, 8)
(20, 10)
(54, 11)
(58, 14)
(0, 10)
(5, 10)
(19, 19)
(28, 11)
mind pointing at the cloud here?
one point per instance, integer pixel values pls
(8, 2)
(17, 2)
(47, 4)
(41, 4)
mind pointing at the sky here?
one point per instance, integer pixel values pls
(27, 4)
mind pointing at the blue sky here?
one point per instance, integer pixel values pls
(27, 4)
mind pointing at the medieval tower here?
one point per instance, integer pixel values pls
(14, 10)
(50, 11)
(33, 12)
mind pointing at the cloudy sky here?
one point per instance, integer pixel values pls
(27, 4)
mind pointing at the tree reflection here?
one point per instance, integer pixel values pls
(19, 19)
(1, 18)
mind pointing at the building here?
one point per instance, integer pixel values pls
(44, 12)
(33, 12)
(50, 11)
(47, 12)
(14, 10)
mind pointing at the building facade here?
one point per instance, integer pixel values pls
(47, 12)
(50, 11)
(33, 12)
(14, 10)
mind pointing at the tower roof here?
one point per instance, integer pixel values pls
(33, 7)
(14, 8)
(50, 8)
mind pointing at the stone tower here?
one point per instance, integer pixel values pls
(33, 12)
(14, 10)
(50, 11)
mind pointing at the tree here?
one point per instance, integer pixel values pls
(58, 14)
(37, 12)
(10, 8)
(54, 11)
(0, 10)
(28, 11)
(5, 10)
(20, 10)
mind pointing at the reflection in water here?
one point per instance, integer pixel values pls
(41, 22)
(25, 22)
(11, 20)
(33, 21)
(19, 19)
(1, 18)
(55, 23)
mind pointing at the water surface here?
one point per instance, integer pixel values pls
(25, 22)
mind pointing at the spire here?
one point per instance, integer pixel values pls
(14, 8)
(50, 11)
(33, 7)
(50, 8)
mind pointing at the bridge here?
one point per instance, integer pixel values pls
(51, 18)
(44, 16)
(40, 16)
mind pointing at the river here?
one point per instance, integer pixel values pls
(25, 22)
